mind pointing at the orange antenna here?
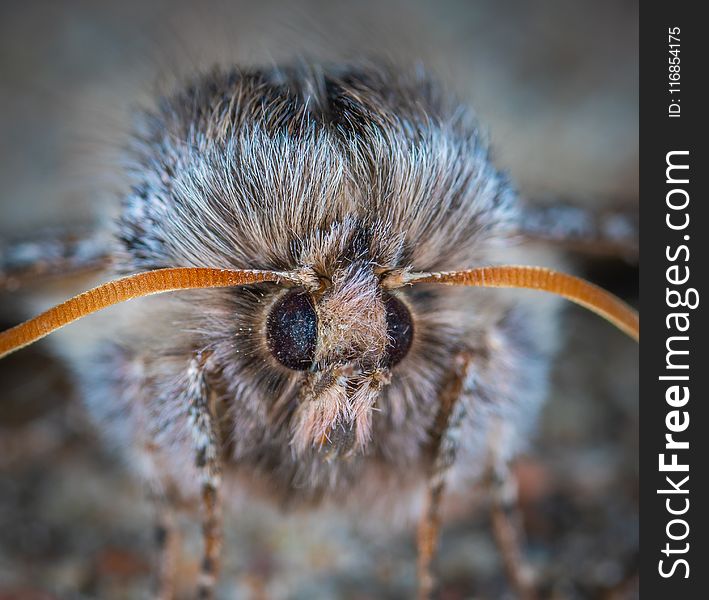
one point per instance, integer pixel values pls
(127, 288)
(577, 290)
(167, 280)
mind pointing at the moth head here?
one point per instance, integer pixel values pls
(345, 333)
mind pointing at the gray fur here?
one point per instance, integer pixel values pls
(337, 173)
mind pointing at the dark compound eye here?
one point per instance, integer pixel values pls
(400, 328)
(292, 331)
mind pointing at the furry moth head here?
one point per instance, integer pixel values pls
(328, 203)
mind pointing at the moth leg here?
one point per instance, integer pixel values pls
(506, 519)
(205, 435)
(427, 538)
(167, 540)
(443, 450)
(163, 499)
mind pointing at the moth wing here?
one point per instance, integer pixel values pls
(612, 233)
(52, 254)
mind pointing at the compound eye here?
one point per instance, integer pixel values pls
(292, 331)
(400, 328)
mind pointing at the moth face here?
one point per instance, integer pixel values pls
(345, 338)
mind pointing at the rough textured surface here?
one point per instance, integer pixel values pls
(560, 101)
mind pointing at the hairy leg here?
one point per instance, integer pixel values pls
(207, 448)
(163, 498)
(505, 517)
(167, 540)
(443, 451)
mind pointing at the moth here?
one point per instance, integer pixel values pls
(328, 231)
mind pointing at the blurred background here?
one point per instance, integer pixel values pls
(554, 83)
